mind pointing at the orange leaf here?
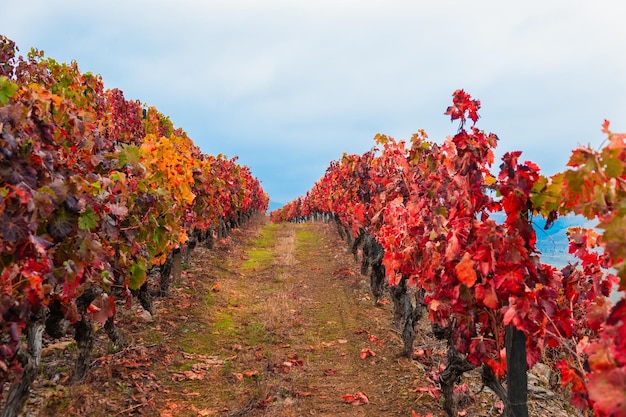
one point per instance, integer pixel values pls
(366, 352)
(465, 270)
(92, 308)
(414, 414)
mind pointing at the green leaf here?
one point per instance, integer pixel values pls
(117, 176)
(7, 89)
(137, 274)
(129, 155)
(159, 236)
(107, 281)
(96, 188)
(88, 220)
(613, 168)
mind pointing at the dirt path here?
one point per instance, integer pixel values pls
(290, 325)
(274, 321)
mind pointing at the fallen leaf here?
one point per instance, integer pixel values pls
(433, 391)
(375, 339)
(366, 352)
(266, 402)
(421, 353)
(414, 414)
(344, 272)
(358, 398)
(188, 375)
(293, 362)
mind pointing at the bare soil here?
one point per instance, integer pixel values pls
(275, 321)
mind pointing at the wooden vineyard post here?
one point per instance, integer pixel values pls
(517, 378)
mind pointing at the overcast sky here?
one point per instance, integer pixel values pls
(290, 85)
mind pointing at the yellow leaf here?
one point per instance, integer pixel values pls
(490, 179)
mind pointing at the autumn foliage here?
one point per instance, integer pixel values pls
(95, 190)
(433, 207)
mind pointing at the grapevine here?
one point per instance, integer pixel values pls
(95, 190)
(432, 209)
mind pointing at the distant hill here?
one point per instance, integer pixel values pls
(553, 243)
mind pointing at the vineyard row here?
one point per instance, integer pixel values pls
(424, 214)
(96, 191)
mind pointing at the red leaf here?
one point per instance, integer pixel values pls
(607, 390)
(358, 398)
(513, 207)
(374, 339)
(462, 103)
(597, 312)
(433, 391)
(498, 365)
(101, 308)
(359, 212)
(487, 294)
(618, 312)
(453, 248)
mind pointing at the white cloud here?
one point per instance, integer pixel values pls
(332, 73)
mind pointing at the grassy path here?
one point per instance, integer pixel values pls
(271, 322)
(282, 327)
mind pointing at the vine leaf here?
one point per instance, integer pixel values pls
(465, 271)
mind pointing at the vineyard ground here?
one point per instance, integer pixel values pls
(271, 322)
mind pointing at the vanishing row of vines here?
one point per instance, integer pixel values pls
(425, 215)
(95, 191)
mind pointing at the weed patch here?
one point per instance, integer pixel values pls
(260, 251)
